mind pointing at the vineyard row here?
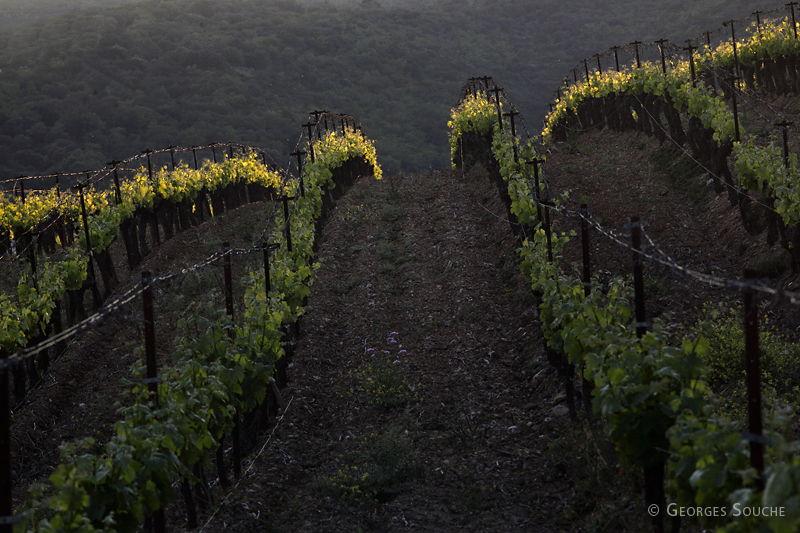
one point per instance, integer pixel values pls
(223, 369)
(651, 396)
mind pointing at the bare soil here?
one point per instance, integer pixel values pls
(433, 259)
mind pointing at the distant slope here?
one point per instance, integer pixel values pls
(82, 89)
(16, 13)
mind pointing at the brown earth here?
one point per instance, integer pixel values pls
(432, 258)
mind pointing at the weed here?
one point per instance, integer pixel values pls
(601, 489)
(352, 252)
(578, 148)
(361, 194)
(393, 287)
(524, 299)
(346, 285)
(742, 249)
(394, 195)
(465, 428)
(391, 213)
(683, 172)
(383, 377)
(653, 286)
(394, 253)
(638, 144)
(387, 269)
(474, 496)
(353, 215)
(773, 264)
(384, 469)
(780, 360)
(469, 313)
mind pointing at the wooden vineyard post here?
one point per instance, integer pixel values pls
(6, 508)
(785, 124)
(511, 114)
(151, 376)
(753, 369)
(117, 192)
(223, 478)
(496, 92)
(287, 228)
(485, 80)
(707, 50)
(660, 44)
(308, 126)
(235, 434)
(636, 47)
(266, 249)
(547, 232)
(689, 48)
(194, 155)
(535, 163)
(299, 154)
(172, 156)
(653, 472)
(91, 278)
(317, 114)
(149, 338)
(638, 277)
(735, 52)
(149, 164)
(44, 359)
(794, 20)
(29, 240)
(583, 212)
(732, 81)
(616, 56)
(565, 369)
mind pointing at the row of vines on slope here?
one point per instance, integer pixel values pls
(65, 236)
(763, 183)
(221, 368)
(652, 398)
(70, 245)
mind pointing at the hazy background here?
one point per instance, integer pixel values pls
(83, 82)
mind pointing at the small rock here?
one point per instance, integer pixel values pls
(559, 410)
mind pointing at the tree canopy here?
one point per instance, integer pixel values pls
(96, 84)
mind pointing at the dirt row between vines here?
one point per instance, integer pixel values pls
(479, 438)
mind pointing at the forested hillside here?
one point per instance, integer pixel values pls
(93, 85)
(21, 12)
